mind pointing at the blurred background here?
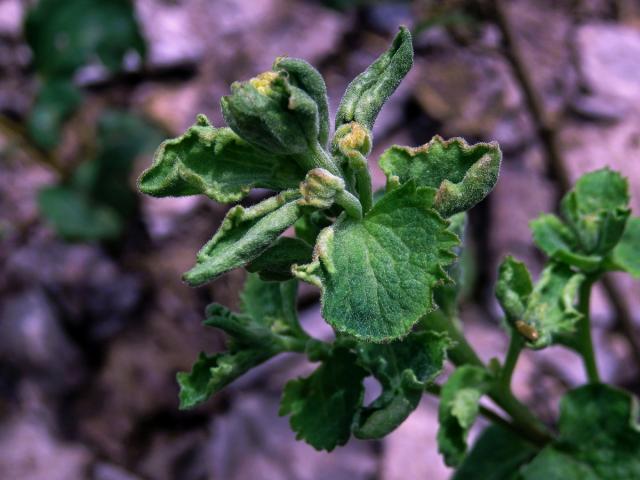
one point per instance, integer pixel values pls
(94, 320)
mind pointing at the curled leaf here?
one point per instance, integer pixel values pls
(217, 163)
(625, 255)
(404, 368)
(244, 234)
(368, 92)
(461, 174)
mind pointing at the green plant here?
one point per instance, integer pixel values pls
(388, 276)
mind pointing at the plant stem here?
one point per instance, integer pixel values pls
(321, 159)
(583, 333)
(363, 181)
(350, 203)
(463, 354)
(516, 342)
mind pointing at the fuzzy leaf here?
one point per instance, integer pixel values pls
(459, 406)
(276, 261)
(368, 92)
(217, 163)
(599, 438)
(625, 255)
(272, 114)
(243, 235)
(513, 288)
(322, 406)
(377, 274)
(597, 209)
(497, 454)
(254, 337)
(307, 78)
(559, 242)
(64, 36)
(404, 368)
(461, 174)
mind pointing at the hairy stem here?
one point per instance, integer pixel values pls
(363, 182)
(350, 203)
(319, 158)
(583, 333)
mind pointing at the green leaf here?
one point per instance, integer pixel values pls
(446, 295)
(271, 113)
(597, 210)
(255, 336)
(459, 407)
(243, 235)
(276, 261)
(544, 314)
(599, 438)
(461, 174)
(559, 242)
(404, 368)
(76, 217)
(625, 255)
(368, 92)
(322, 406)
(64, 36)
(54, 104)
(513, 288)
(378, 274)
(307, 78)
(217, 163)
(497, 454)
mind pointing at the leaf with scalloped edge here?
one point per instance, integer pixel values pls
(404, 368)
(626, 256)
(217, 163)
(322, 406)
(255, 335)
(599, 438)
(461, 174)
(459, 407)
(244, 234)
(377, 274)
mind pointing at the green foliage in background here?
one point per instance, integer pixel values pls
(388, 270)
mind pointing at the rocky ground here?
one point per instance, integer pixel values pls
(91, 339)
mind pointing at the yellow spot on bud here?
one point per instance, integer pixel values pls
(263, 82)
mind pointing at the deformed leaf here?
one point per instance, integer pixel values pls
(599, 438)
(243, 235)
(255, 335)
(378, 274)
(404, 368)
(217, 163)
(322, 406)
(271, 113)
(461, 174)
(597, 209)
(368, 92)
(307, 78)
(459, 407)
(559, 242)
(497, 454)
(276, 261)
(544, 313)
(626, 254)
